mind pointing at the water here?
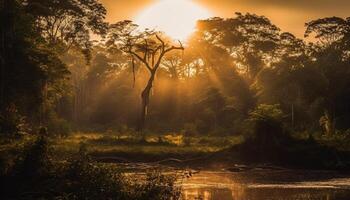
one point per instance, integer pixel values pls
(267, 185)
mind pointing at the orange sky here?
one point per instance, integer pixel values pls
(289, 15)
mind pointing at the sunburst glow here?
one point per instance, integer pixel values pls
(177, 18)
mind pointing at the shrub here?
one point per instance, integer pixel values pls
(6, 162)
(58, 126)
(266, 123)
(35, 160)
(85, 179)
(267, 139)
(13, 123)
(91, 180)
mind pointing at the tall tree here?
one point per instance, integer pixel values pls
(148, 47)
(332, 58)
(250, 39)
(27, 61)
(67, 23)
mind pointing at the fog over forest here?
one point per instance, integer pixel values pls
(84, 101)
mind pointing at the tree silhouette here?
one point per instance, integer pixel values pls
(331, 55)
(67, 23)
(148, 47)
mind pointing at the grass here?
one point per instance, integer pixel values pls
(115, 147)
(109, 144)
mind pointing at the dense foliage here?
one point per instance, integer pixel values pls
(53, 75)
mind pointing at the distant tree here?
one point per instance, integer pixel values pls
(213, 104)
(250, 39)
(172, 63)
(330, 31)
(215, 62)
(331, 55)
(282, 82)
(67, 23)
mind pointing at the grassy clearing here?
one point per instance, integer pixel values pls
(113, 144)
(175, 150)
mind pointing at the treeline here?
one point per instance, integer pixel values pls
(35, 34)
(55, 75)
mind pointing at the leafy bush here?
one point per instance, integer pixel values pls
(5, 164)
(266, 122)
(13, 123)
(90, 180)
(85, 179)
(58, 126)
(35, 160)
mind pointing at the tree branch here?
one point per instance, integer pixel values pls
(141, 59)
(161, 41)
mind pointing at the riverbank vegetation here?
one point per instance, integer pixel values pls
(35, 173)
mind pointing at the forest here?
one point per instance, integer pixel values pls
(81, 96)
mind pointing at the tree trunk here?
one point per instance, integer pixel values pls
(2, 72)
(145, 101)
(330, 124)
(327, 123)
(4, 5)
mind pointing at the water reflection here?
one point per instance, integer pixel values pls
(224, 186)
(264, 194)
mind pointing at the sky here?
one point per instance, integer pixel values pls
(289, 15)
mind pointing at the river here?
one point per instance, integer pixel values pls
(267, 185)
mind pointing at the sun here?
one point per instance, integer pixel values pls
(176, 18)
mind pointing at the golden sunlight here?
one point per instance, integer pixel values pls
(176, 18)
